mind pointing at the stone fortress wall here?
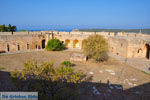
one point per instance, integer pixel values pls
(20, 41)
(129, 45)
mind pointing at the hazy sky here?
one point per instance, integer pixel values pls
(97, 13)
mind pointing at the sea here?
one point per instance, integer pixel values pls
(66, 30)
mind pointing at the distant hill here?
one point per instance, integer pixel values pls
(144, 31)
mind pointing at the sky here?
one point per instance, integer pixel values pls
(76, 13)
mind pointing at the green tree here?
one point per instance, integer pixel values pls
(54, 45)
(9, 27)
(12, 28)
(52, 83)
(96, 47)
(3, 28)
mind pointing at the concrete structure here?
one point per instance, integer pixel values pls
(129, 45)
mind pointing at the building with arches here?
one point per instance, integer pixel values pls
(129, 45)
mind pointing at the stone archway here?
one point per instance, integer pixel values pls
(83, 42)
(67, 42)
(76, 44)
(147, 51)
(43, 44)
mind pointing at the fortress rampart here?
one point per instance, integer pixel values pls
(129, 45)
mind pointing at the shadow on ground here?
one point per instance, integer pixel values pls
(89, 90)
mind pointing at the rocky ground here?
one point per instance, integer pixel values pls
(110, 80)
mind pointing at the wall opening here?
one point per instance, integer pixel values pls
(28, 46)
(139, 50)
(43, 44)
(75, 44)
(147, 51)
(8, 48)
(36, 46)
(39, 47)
(121, 44)
(18, 47)
(83, 43)
(67, 43)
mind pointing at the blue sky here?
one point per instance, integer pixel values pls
(84, 13)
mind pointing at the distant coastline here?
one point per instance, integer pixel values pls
(144, 31)
(67, 30)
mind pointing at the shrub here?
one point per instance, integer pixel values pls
(66, 63)
(2, 68)
(55, 45)
(52, 83)
(96, 47)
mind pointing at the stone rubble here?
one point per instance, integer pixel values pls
(101, 71)
(91, 73)
(110, 71)
(129, 83)
(118, 87)
(95, 91)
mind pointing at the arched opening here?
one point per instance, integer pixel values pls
(39, 47)
(36, 46)
(28, 46)
(75, 44)
(117, 53)
(139, 51)
(83, 43)
(8, 48)
(121, 44)
(18, 47)
(62, 41)
(147, 51)
(43, 44)
(67, 43)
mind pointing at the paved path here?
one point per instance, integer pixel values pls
(139, 63)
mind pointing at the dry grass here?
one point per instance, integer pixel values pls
(15, 61)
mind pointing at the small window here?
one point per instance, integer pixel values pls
(121, 44)
(39, 47)
(8, 48)
(139, 51)
(18, 47)
(36, 46)
(28, 46)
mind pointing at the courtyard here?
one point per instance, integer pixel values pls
(108, 73)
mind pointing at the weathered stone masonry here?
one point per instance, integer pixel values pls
(24, 42)
(129, 45)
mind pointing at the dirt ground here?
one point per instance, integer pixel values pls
(112, 71)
